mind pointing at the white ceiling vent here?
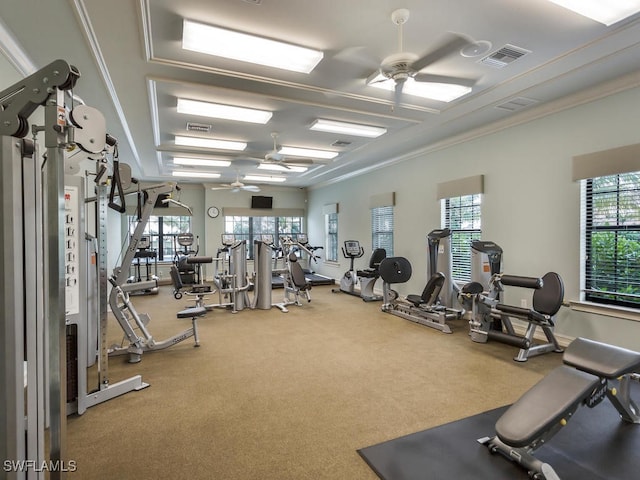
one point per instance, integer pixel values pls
(198, 127)
(517, 103)
(503, 57)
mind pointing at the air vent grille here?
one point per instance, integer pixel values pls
(505, 56)
(198, 127)
(517, 103)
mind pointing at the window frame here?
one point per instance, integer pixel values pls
(331, 247)
(382, 217)
(469, 208)
(623, 233)
(163, 243)
(253, 226)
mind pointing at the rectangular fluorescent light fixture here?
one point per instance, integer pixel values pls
(180, 173)
(220, 42)
(308, 153)
(346, 128)
(280, 168)
(210, 143)
(201, 162)
(226, 112)
(442, 92)
(264, 178)
(607, 12)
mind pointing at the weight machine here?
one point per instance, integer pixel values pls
(263, 275)
(295, 282)
(230, 279)
(491, 319)
(127, 316)
(432, 307)
(33, 240)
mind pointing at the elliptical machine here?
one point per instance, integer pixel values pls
(365, 278)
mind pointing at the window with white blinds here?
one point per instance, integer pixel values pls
(382, 229)
(612, 239)
(331, 237)
(462, 216)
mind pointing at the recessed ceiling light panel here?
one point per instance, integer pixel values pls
(264, 178)
(308, 153)
(220, 42)
(442, 92)
(347, 128)
(225, 112)
(201, 162)
(607, 12)
(210, 143)
(180, 173)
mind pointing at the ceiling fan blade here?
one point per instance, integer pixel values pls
(452, 44)
(222, 186)
(251, 188)
(360, 56)
(299, 161)
(376, 77)
(429, 78)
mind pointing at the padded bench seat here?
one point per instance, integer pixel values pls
(547, 402)
(196, 260)
(191, 312)
(601, 359)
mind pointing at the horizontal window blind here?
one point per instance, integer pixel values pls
(612, 239)
(382, 229)
(331, 244)
(462, 217)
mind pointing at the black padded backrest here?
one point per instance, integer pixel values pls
(296, 272)
(377, 256)
(175, 277)
(548, 299)
(472, 288)
(395, 270)
(432, 288)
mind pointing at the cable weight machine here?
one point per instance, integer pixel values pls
(32, 285)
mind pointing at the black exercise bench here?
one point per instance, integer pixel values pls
(592, 371)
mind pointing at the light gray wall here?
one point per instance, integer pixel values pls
(531, 207)
(283, 198)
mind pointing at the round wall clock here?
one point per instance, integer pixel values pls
(213, 212)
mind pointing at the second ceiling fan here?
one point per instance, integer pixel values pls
(402, 66)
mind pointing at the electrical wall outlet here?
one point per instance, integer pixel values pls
(523, 302)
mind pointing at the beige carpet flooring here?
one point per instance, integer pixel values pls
(272, 395)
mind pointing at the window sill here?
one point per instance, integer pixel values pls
(330, 263)
(607, 310)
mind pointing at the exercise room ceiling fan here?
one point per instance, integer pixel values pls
(402, 66)
(276, 158)
(237, 186)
